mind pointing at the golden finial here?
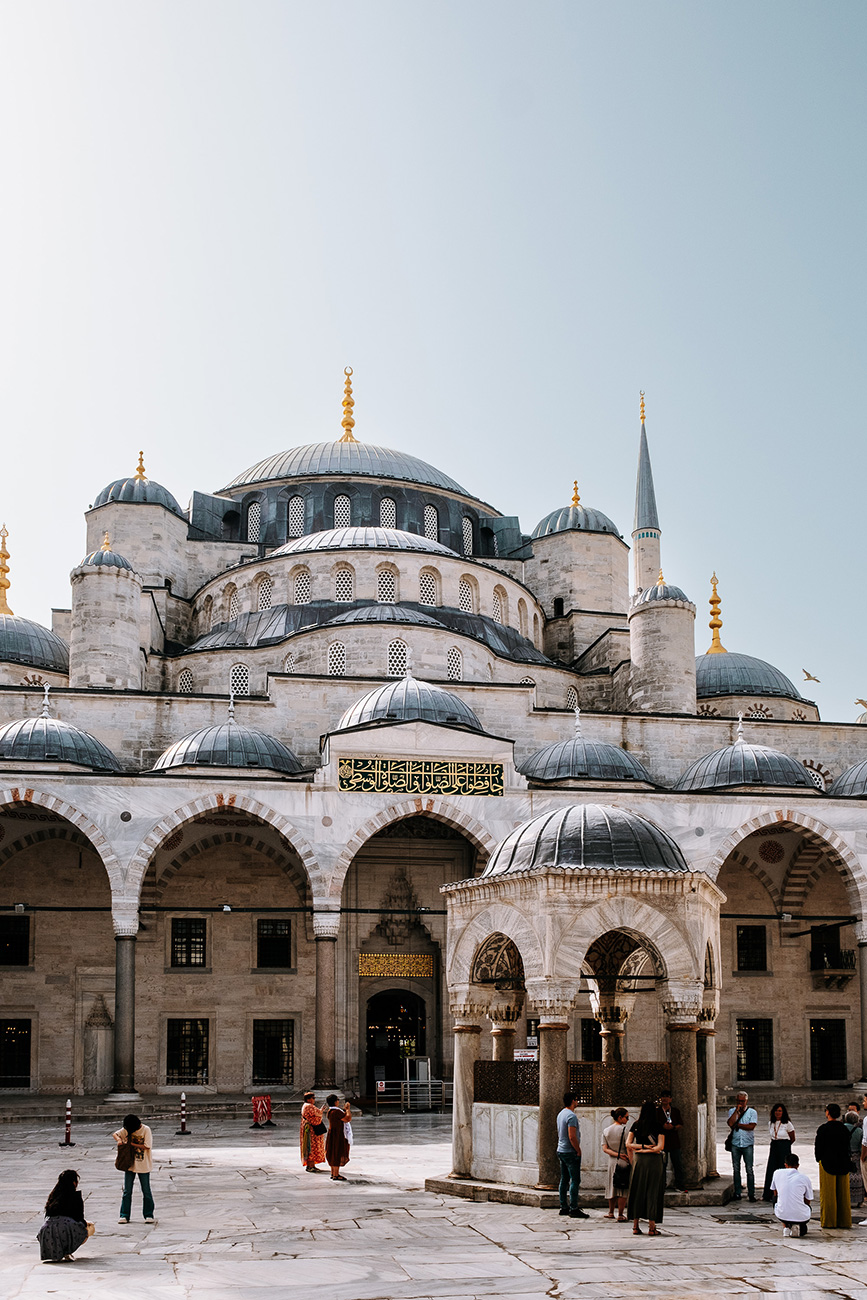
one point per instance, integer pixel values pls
(642, 406)
(4, 569)
(576, 500)
(660, 581)
(106, 544)
(716, 646)
(348, 403)
(141, 477)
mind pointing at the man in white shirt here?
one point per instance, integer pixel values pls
(793, 1196)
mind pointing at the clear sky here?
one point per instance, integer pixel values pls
(508, 217)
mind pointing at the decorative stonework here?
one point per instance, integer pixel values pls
(326, 925)
(419, 776)
(397, 965)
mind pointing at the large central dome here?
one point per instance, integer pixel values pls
(344, 459)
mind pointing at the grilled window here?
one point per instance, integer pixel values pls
(387, 513)
(342, 512)
(571, 698)
(427, 589)
(431, 523)
(188, 940)
(467, 528)
(289, 663)
(455, 664)
(187, 1043)
(465, 597)
(254, 521)
(386, 587)
(296, 517)
(14, 940)
(273, 1053)
(185, 682)
(266, 589)
(755, 1049)
(239, 679)
(497, 607)
(15, 1053)
(752, 947)
(302, 587)
(273, 947)
(828, 1049)
(398, 656)
(234, 603)
(344, 585)
(337, 659)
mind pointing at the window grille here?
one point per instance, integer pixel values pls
(14, 941)
(234, 603)
(302, 587)
(342, 512)
(816, 777)
(337, 659)
(497, 608)
(254, 521)
(758, 711)
(239, 679)
(387, 513)
(571, 698)
(185, 682)
(15, 1054)
(431, 523)
(188, 940)
(187, 1043)
(272, 943)
(467, 526)
(427, 589)
(296, 517)
(273, 1053)
(828, 1049)
(455, 662)
(344, 586)
(386, 587)
(265, 592)
(465, 596)
(289, 663)
(752, 947)
(526, 681)
(755, 1049)
(397, 658)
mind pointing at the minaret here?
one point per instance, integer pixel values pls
(105, 644)
(646, 530)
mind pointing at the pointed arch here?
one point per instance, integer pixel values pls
(499, 918)
(679, 952)
(91, 832)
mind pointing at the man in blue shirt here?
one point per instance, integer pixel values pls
(742, 1120)
(569, 1155)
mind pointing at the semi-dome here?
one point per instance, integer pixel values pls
(589, 836)
(25, 642)
(48, 740)
(660, 591)
(735, 674)
(344, 460)
(744, 764)
(852, 784)
(138, 490)
(229, 745)
(583, 760)
(575, 518)
(354, 539)
(409, 700)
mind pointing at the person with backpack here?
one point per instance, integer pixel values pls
(135, 1156)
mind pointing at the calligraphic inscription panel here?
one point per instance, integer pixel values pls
(419, 776)
(405, 965)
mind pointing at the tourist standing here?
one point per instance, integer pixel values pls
(852, 1120)
(312, 1135)
(793, 1197)
(742, 1120)
(65, 1228)
(672, 1122)
(617, 1179)
(646, 1143)
(863, 1222)
(569, 1155)
(832, 1153)
(781, 1131)
(336, 1146)
(139, 1138)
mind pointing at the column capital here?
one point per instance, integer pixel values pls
(125, 928)
(682, 1002)
(326, 925)
(552, 1000)
(506, 1008)
(861, 932)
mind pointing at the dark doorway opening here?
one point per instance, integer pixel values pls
(396, 1029)
(273, 1052)
(14, 1053)
(828, 1049)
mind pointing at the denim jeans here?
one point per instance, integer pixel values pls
(126, 1203)
(570, 1179)
(674, 1158)
(747, 1153)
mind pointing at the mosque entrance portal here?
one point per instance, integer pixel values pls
(396, 1029)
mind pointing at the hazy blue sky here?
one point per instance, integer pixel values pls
(507, 217)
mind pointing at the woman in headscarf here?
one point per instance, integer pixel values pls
(312, 1143)
(336, 1145)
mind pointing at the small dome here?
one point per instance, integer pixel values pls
(138, 491)
(48, 740)
(106, 559)
(25, 642)
(734, 674)
(229, 745)
(355, 539)
(408, 700)
(575, 518)
(587, 836)
(345, 460)
(743, 764)
(862, 718)
(663, 591)
(583, 760)
(852, 784)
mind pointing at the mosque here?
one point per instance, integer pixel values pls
(338, 767)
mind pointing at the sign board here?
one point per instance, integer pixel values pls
(380, 1085)
(526, 1054)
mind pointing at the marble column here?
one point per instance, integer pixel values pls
(612, 1031)
(503, 1040)
(124, 1088)
(707, 1033)
(503, 1013)
(325, 929)
(862, 975)
(552, 1085)
(468, 1033)
(684, 1085)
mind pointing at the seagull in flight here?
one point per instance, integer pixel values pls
(808, 677)
(864, 702)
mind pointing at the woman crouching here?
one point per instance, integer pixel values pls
(65, 1228)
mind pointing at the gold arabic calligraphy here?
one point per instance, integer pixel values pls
(419, 776)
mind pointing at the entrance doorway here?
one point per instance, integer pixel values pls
(396, 1029)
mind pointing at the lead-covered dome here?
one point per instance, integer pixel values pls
(230, 745)
(744, 764)
(48, 740)
(344, 460)
(409, 700)
(587, 836)
(138, 491)
(354, 539)
(107, 559)
(25, 642)
(852, 784)
(583, 760)
(575, 519)
(660, 591)
(736, 674)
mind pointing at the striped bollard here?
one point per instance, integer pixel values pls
(67, 1141)
(183, 1127)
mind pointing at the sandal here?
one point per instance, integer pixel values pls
(636, 1230)
(621, 1218)
(609, 1215)
(651, 1231)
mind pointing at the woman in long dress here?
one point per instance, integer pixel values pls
(645, 1144)
(782, 1134)
(65, 1228)
(312, 1144)
(336, 1146)
(614, 1146)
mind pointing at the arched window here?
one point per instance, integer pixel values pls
(467, 529)
(816, 777)
(266, 589)
(465, 596)
(398, 657)
(558, 606)
(342, 512)
(206, 616)
(526, 681)
(302, 587)
(185, 682)
(431, 523)
(386, 587)
(758, 711)
(289, 663)
(427, 588)
(455, 664)
(387, 513)
(233, 601)
(344, 585)
(337, 659)
(536, 630)
(522, 617)
(239, 679)
(499, 606)
(254, 521)
(571, 698)
(296, 517)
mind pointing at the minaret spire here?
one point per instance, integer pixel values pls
(716, 646)
(348, 403)
(4, 570)
(645, 529)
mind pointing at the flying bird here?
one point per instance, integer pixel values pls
(808, 677)
(864, 702)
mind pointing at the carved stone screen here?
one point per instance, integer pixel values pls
(618, 1083)
(507, 1083)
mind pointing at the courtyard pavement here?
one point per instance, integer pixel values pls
(237, 1216)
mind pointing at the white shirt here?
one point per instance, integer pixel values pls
(864, 1132)
(792, 1187)
(780, 1130)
